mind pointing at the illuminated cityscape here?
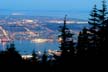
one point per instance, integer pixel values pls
(32, 28)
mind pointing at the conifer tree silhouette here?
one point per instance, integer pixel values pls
(83, 43)
(12, 56)
(98, 31)
(102, 14)
(93, 32)
(103, 30)
(34, 57)
(94, 21)
(67, 44)
(44, 58)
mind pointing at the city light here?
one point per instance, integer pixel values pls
(42, 40)
(29, 21)
(60, 39)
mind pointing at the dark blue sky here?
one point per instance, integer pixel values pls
(63, 5)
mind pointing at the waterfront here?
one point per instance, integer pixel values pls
(27, 46)
(37, 33)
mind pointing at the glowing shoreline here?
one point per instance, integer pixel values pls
(42, 40)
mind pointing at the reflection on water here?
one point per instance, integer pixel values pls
(27, 46)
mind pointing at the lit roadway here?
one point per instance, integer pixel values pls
(4, 33)
(28, 30)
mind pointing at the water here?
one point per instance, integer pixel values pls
(27, 46)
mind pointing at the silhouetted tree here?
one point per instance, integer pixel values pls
(93, 21)
(93, 32)
(102, 14)
(44, 58)
(34, 58)
(11, 56)
(44, 62)
(66, 43)
(98, 31)
(83, 43)
(103, 30)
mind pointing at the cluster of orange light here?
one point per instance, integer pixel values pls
(60, 40)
